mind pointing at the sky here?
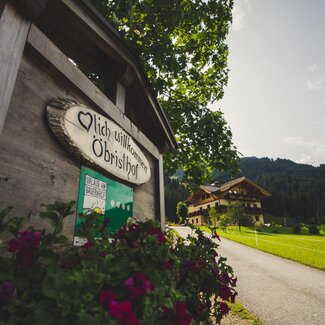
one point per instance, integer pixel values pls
(274, 102)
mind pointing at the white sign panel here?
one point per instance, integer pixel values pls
(100, 141)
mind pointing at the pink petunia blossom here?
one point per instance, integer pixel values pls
(181, 316)
(138, 285)
(160, 235)
(25, 246)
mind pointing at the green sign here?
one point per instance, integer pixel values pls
(108, 198)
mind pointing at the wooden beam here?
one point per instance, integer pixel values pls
(162, 193)
(120, 96)
(107, 43)
(39, 42)
(13, 34)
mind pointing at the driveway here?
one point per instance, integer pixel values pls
(276, 290)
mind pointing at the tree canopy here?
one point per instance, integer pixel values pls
(182, 47)
(182, 211)
(237, 215)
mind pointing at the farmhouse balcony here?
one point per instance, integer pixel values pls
(223, 209)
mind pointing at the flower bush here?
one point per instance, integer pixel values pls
(138, 275)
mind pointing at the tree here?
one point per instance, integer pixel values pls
(174, 193)
(182, 47)
(182, 211)
(224, 221)
(213, 216)
(237, 215)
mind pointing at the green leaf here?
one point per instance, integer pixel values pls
(49, 255)
(6, 269)
(85, 319)
(49, 288)
(4, 212)
(42, 316)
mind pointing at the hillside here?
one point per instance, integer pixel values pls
(298, 190)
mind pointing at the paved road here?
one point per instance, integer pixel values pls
(277, 290)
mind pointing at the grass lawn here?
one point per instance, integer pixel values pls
(238, 309)
(305, 249)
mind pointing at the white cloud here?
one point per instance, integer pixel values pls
(313, 67)
(312, 151)
(240, 12)
(315, 84)
(306, 159)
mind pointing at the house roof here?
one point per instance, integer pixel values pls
(228, 185)
(84, 35)
(211, 189)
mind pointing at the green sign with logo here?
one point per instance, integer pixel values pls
(108, 198)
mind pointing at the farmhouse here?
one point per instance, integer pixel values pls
(219, 196)
(79, 120)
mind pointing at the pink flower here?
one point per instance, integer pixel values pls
(224, 292)
(122, 310)
(159, 233)
(181, 316)
(25, 246)
(106, 297)
(138, 285)
(224, 309)
(87, 245)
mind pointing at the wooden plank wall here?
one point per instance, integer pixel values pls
(34, 167)
(13, 33)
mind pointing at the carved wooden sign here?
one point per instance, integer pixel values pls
(96, 139)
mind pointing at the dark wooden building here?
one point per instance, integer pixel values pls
(220, 196)
(122, 131)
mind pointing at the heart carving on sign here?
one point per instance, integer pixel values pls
(85, 119)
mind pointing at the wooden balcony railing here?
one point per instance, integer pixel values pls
(223, 209)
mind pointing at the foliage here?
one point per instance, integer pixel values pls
(213, 216)
(239, 310)
(237, 215)
(182, 47)
(182, 211)
(224, 221)
(313, 230)
(174, 193)
(137, 276)
(298, 190)
(296, 229)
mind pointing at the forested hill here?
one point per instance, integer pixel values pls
(298, 190)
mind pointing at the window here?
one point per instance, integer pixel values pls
(257, 218)
(216, 204)
(192, 220)
(255, 205)
(197, 220)
(200, 208)
(208, 206)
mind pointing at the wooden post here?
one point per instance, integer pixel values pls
(162, 193)
(120, 97)
(13, 34)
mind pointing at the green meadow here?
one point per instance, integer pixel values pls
(302, 248)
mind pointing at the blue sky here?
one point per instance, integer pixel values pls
(275, 99)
